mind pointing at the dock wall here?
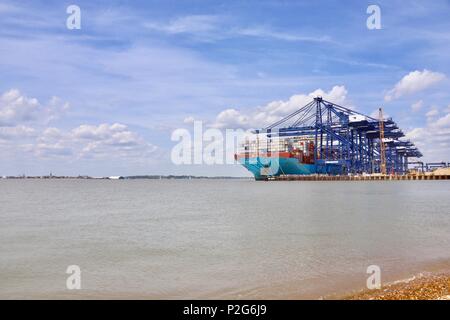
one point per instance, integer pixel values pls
(358, 177)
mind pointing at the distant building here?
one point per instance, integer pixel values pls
(116, 178)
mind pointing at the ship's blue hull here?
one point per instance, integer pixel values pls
(264, 167)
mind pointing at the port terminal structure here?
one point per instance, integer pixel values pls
(344, 141)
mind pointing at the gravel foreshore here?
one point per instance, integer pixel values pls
(421, 287)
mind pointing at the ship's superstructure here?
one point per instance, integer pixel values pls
(325, 138)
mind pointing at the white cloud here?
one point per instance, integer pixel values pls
(100, 132)
(414, 82)
(443, 122)
(187, 24)
(17, 108)
(53, 142)
(263, 116)
(433, 112)
(14, 107)
(22, 119)
(97, 141)
(213, 27)
(55, 108)
(51, 133)
(231, 118)
(189, 120)
(416, 106)
(264, 32)
(51, 150)
(92, 142)
(84, 141)
(16, 132)
(433, 139)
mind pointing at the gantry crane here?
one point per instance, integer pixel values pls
(347, 138)
(382, 145)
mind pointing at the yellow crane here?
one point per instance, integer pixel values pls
(382, 145)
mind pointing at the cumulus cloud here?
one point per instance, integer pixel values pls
(22, 119)
(265, 115)
(115, 139)
(17, 108)
(433, 139)
(100, 132)
(93, 141)
(9, 133)
(51, 150)
(189, 120)
(231, 118)
(51, 142)
(414, 82)
(24, 127)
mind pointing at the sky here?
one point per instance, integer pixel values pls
(105, 99)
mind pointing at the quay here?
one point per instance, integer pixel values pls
(374, 177)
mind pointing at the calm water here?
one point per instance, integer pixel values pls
(216, 239)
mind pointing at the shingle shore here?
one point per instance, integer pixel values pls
(423, 287)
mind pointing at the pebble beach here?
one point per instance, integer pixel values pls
(421, 287)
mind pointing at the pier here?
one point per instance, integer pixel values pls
(378, 177)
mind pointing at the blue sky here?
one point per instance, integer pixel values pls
(103, 100)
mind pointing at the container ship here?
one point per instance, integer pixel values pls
(325, 138)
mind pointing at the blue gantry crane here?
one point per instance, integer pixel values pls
(347, 139)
